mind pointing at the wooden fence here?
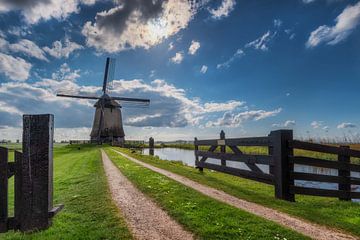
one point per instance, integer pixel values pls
(33, 172)
(280, 159)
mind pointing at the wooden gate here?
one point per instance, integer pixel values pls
(281, 160)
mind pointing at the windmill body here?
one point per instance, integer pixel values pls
(108, 124)
(109, 127)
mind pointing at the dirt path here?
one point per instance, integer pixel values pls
(312, 230)
(145, 219)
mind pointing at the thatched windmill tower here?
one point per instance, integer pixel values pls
(108, 125)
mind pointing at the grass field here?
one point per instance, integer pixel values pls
(204, 216)
(81, 185)
(326, 211)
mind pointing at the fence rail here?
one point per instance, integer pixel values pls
(281, 160)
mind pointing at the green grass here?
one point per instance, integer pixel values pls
(89, 212)
(204, 216)
(327, 211)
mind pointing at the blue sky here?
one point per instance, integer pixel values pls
(247, 67)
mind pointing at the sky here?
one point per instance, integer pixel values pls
(248, 67)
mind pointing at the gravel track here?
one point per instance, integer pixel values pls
(145, 219)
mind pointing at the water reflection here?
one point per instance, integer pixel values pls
(187, 157)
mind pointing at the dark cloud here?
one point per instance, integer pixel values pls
(21, 4)
(116, 19)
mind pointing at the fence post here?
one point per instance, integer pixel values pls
(36, 169)
(342, 158)
(3, 189)
(282, 166)
(151, 146)
(271, 166)
(223, 147)
(196, 156)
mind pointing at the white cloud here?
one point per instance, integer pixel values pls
(230, 119)
(316, 124)
(262, 42)
(34, 11)
(4, 107)
(194, 47)
(346, 125)
(219, 107)
(287, 123)
(346, 22)
(19, 31)
(24, 46)
(178, 58)
(223, 10)
(171, 46)
(62, 50)
(308, 1)
(277, 23)
(238, 54)
(138, 24)
(203, 69)
(14, 68)
(28, 48)
(65, 73)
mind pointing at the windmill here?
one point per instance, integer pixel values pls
(107, 125)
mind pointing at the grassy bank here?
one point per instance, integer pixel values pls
(205, 217)
(80, 184)
(326, 211)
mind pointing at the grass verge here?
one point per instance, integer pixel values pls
(204, 216)
(326, 211)
(80, 184)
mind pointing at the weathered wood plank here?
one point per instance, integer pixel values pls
(282, 165)
(211, 149)
(260, 177)
(317, 177)
(324, 148)
(236, 150)
(317, 192)
(11, 169)
(355, 195)
(36, 170)
(208, 142)
(222, 148)
(254, 141)
(324, 163)
(18, 189)
(245, 158)
(3, 189)
(345, 174)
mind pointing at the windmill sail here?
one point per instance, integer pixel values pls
(109, 72)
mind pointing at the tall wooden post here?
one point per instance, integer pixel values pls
(196, 156)
(151, 146)
(345, 174)
(36, 167)
(223, 147)
(3, 189)
(282, 166)
(270, 152)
